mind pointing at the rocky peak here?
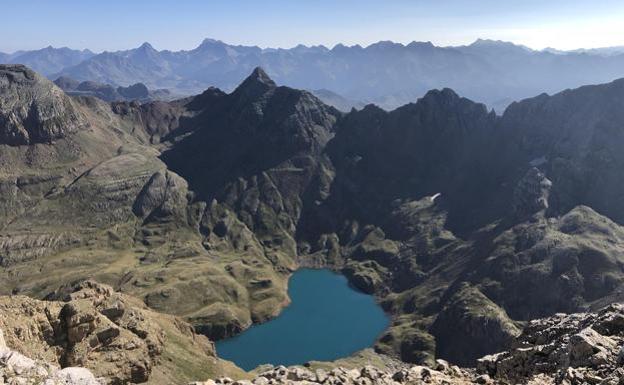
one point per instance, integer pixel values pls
(443, 97)
(146, 55)
(260, 76)
(255, 128)
(145, 50)
(255, 84)
(32, 109)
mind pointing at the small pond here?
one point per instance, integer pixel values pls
(327, 319)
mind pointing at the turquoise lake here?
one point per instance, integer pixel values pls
(327, 319)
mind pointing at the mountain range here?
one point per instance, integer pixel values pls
(48, 60)
(385, 73)
(464, 224)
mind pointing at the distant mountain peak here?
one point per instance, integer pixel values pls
(447, 98)
(302, 48)
(385, 44)
(418, 44)
(146, 47)
(498, 43)
(210, 42)
(441, 95)
(480, 41)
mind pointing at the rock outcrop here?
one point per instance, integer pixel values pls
(581, 348)
(17, 369)
(117, 337)
(33, 109)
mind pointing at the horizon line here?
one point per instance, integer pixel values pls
(327, 47)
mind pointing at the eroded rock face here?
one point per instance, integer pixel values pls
(33, 109)
(89, 325)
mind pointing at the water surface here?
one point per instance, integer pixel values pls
(326, 320)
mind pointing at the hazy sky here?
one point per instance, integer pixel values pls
(121, 24)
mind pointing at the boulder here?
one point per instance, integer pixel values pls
(75, 376)
(17, 369)
(588, 347)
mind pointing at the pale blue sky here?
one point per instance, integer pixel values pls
(121, 24)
